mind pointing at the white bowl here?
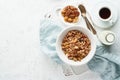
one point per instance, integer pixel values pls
(61, 54)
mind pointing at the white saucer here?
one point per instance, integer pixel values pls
(95, 18)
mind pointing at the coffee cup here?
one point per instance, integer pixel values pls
(105, 14)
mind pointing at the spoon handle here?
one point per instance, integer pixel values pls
(90, 27)
(87, 23)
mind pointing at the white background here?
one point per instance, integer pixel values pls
(20, 57)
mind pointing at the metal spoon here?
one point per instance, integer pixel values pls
(83, 13)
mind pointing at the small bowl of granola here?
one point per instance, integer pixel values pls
(76, 45)
(70, 15)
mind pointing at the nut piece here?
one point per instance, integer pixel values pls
(70, 20)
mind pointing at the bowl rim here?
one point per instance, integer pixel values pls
(87, 58)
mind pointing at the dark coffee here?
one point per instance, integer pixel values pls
(104, 13)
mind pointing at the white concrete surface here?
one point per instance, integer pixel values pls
(20, 56)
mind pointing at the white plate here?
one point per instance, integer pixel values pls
(95, 18)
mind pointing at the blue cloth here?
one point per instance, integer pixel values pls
(106, 63)
(48, 35)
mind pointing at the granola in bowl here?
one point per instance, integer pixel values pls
(76, 45)
(70, 14)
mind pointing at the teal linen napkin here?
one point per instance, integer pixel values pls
(105, 63)
(48, 34)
